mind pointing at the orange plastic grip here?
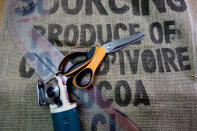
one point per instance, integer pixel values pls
(93, 65)
(97, 58)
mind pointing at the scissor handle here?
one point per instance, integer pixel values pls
(84, 78)
(74, 61)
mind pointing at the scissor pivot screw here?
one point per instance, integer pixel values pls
(108, 47)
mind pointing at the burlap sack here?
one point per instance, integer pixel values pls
(150, 82)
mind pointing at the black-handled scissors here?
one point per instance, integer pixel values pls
(84, 64)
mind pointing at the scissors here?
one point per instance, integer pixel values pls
(82, 65)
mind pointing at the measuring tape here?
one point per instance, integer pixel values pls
(44, 58)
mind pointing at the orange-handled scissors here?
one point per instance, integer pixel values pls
(84, 64)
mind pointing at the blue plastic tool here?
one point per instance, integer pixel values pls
(64, 114)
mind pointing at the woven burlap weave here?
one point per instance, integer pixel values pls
(150, 82)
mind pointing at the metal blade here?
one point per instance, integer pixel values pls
(122, 43)
(44, 57)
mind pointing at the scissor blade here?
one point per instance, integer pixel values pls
(40, 49)
(121, 43)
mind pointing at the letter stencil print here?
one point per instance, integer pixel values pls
(145, 80)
